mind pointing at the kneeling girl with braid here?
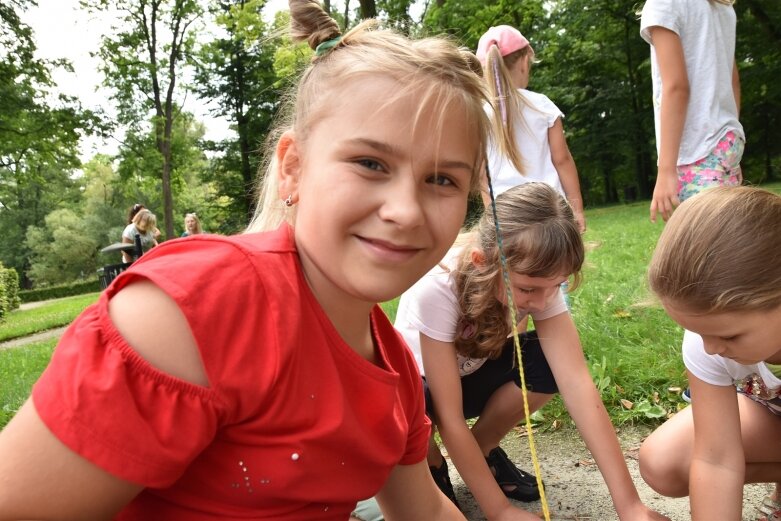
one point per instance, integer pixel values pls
(455, 319)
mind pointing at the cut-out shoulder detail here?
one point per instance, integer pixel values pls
(151, 322)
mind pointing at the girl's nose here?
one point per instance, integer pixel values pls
(402, 204)
(713, 347)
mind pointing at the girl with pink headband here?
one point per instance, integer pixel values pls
(529, 143)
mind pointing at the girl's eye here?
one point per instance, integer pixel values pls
(729, 338)
(370, 164)
(441, 180)
(526, 291)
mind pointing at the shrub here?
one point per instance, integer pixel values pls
(9, 290)
(61, 290)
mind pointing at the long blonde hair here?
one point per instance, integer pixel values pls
(431, 69)
(720, 252)
(540, 238)
(507, 103)
(147, 219)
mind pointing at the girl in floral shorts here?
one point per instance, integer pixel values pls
(719, 168)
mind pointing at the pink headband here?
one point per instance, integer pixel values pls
(507, 39)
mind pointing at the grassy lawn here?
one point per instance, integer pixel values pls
(632, 348)
(60, 312)
(19, 369)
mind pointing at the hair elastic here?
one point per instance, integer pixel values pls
(327, 45)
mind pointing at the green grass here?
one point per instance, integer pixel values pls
(19, 369)
(60, 312)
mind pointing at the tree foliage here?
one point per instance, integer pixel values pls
(142, 62)
(39, 136)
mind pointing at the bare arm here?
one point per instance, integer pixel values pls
(562, 349)
(568, 172)
(125, 255)
(718, 466)
(411, 494)
(675, 101)
(41, 478)
(441, 368)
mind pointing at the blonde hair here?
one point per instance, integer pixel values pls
(725, 2)
(147, 218)
(194, 217)
(507, 103)
(431, 69)
(540, 238)
(720, 251)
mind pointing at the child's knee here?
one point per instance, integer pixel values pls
(662, 468)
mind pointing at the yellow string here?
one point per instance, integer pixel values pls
(517, 343)
(532, 447)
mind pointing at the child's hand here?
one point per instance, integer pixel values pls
(513, 513)
(580, 218)
(665, 197)
(640, 512)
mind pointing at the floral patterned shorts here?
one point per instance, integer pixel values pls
(719, 168)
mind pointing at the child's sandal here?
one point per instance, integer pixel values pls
(515, 483)
(442, 479)
(770, 510)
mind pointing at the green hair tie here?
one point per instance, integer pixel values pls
(327, 45)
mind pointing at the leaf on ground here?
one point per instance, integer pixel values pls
(626, 403)
(622, 314)
(632, 453)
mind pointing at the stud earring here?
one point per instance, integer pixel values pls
(289, 200)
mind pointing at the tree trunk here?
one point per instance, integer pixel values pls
(368, 9)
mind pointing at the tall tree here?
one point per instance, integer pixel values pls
(143, 62)
(236, 71)
(39, 137)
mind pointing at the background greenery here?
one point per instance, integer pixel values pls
(57, 212)
(632, 347)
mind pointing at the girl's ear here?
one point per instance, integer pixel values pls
(288, 166)
(477, 257)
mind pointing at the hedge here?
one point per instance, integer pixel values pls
(9, 290)
(61, 290)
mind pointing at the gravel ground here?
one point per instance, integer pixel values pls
(575, 489)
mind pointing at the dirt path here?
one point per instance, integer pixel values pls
(29, 339)
(575, 489)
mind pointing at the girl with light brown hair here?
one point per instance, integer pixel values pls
(276, 389)
(456, 321)
(717, 273)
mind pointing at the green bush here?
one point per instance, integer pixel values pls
(61, 290)
(9, 290)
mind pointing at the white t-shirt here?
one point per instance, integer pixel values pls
(147, 238)
(531, 136)
(755, 380)
(707, 33)
(431, 307)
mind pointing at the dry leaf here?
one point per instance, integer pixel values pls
(627, 404)
(619, 389)
(622, 314)
(656, 397)
(676, 390)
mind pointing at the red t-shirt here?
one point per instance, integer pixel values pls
(294, 425)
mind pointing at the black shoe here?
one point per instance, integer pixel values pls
(515, 483)
(442, 479)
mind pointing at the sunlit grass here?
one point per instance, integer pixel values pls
(57, 313)
(20, 367)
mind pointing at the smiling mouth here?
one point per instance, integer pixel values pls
(390, 250)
